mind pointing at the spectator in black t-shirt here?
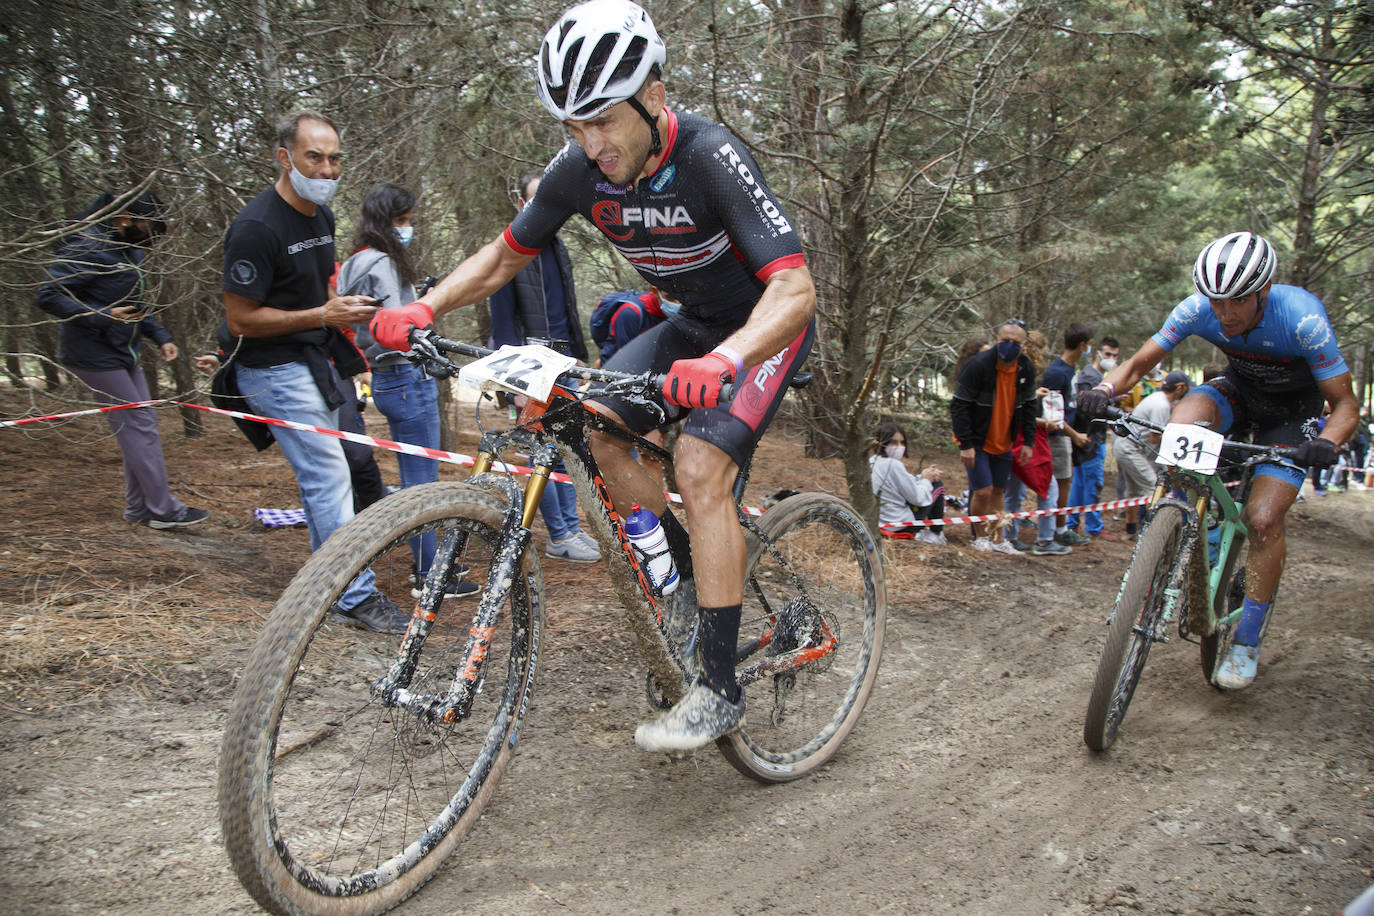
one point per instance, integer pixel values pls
(278, 258)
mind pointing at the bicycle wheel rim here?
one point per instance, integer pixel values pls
(794, 726)
(361, 801)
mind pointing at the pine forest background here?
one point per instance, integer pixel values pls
(948, 164)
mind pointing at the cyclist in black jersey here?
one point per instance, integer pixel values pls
(683, 200)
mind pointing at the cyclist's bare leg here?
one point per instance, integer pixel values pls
(706, 476)
(1270, 500)
(627, 480)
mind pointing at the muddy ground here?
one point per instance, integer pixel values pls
(965, 789)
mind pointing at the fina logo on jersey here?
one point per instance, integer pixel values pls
(618, 222)
(663, 179)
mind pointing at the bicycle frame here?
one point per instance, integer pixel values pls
(1199, 493)
(542, 428)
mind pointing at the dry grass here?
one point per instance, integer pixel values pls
(73, 640)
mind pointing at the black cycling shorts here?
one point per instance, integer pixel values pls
(735, 427)
(1275, 418)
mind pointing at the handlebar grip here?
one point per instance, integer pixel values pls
(727, 391)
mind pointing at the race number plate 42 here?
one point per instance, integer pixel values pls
(527, 370)
(1193, 448)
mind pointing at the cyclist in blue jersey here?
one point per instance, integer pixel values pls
(684, 201)
(1283, 364)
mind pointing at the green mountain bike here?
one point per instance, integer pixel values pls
(1185, 567)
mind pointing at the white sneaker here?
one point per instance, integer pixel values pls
(572, 550)
(984, 544)
(699, 718)
(930, 536)
(1005, 547)
(1239, 669)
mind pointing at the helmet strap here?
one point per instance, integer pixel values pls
(657, 145)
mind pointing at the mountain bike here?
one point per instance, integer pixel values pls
(353, 763)
(1175, 571)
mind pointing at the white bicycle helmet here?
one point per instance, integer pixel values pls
(597, 54)
(1234, 266)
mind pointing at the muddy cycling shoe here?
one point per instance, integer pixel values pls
(375, 613)
(699, 718)
(1238, 670)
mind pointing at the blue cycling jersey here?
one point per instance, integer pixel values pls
(1291, 349)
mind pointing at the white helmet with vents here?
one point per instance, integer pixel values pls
(597, 54)
(1234, 266)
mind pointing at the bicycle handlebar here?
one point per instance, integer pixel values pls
(1114, 415)
(428, 347)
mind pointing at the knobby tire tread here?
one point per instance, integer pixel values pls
(246, 803)
(1150, 565)
(857, 558)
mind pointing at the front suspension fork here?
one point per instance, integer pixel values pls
(469, 673)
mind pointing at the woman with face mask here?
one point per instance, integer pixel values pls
(381, 267)
(905, 498)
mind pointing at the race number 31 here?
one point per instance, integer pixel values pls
(1193, 448)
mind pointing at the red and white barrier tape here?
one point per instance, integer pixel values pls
(389, 445)
(1008, 516)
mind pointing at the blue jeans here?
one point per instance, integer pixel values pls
(288, 392)
(558, 505)
(1011, 502)
(1087, 484)
(410, 402)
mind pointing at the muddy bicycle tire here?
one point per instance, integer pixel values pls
(1135, 621)
(332, 802)
(833, 574)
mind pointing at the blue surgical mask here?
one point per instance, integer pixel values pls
(404, 234)
(1008, 350)
(315, 190)
(668, 307)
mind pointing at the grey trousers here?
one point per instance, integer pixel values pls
(145, 473)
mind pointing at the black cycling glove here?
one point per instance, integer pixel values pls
(1092, 403)
(1316, 453)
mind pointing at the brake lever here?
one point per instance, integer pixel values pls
(426, 355)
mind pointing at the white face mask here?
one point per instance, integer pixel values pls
(895, 451)
(1107, 364)
(404, 234)
(315, 190)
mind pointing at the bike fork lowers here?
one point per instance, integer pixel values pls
(469, 674)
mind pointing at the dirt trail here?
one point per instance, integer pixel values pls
(965, 789)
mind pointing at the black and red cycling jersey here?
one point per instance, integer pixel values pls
(704, 227)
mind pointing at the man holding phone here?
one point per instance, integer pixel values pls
(278, 258)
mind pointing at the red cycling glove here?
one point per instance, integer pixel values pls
(391, 327)
(697, 382)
